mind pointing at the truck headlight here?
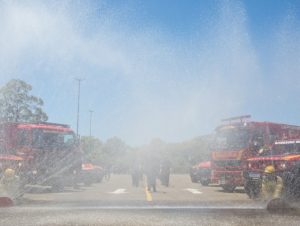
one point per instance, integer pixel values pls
(283, 165)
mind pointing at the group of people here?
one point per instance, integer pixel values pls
(152, 171)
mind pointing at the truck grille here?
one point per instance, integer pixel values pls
(228, 164)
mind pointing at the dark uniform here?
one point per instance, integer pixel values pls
(151, 174)
(165, 173)
(151, 181)
(135, 174)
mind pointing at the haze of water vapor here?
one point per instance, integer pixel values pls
(140, 82)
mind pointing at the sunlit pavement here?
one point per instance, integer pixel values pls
(119, 192)
(69, 216)
(116, 202)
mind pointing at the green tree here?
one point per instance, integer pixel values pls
(117, 153)
(115, 147)
(92, 149)
(17, 105)
(114, 152)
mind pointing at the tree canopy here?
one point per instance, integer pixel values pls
(114, 152)
(18, 105)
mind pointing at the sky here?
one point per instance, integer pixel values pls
(168, 69)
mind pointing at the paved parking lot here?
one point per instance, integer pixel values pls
(118, 191)
(116, 202)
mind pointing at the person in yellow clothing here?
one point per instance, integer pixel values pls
(272, 185)
(10, 184)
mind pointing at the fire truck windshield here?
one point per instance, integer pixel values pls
(45, 138)
(52, 138)
(231, 139)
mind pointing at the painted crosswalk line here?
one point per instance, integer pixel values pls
(119, 191)
(193, 191)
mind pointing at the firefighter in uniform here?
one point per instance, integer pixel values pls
(271, 184)
(10, 184)
(165, 173)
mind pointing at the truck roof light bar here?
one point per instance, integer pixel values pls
(44, 123)
(54, 124)
(241, 118)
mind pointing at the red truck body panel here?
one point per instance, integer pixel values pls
(27, 142)
(281, 162)
(228, 165)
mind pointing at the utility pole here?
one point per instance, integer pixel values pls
(78, 104)
(91, 113)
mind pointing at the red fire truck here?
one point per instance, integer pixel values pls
(201, 172)
(284, 155)
(50, 152)
(238, 140)
(91, 173)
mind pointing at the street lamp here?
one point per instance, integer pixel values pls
(91, 113)
(78, 104)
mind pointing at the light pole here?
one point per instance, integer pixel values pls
(78, 105)
(91, 113)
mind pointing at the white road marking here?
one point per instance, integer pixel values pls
(119, 191)
(193, 190)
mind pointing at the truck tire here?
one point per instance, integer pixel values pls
(252, 189)
(228, 187)
(194, 179)
(99, 179)
(88, 182)
(58, 186)
(292, 184)
(204, 182)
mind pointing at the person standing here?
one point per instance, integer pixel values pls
(135, 174)
(272, 185)
(152, 171)
(165, 173)
(10, 184)
(151, 180)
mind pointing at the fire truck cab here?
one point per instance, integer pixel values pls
(284, 155)
(238, 140)
(50, 151)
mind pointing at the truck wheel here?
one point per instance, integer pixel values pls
(292, 184)
(99, 179)
(252, 189)
(228, 188)
(204, 182)
(57, 185)
(194, 180)
(88, 182)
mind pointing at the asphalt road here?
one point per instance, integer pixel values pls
(118, 191)
(116, 202)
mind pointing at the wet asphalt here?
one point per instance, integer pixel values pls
(116, 202)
